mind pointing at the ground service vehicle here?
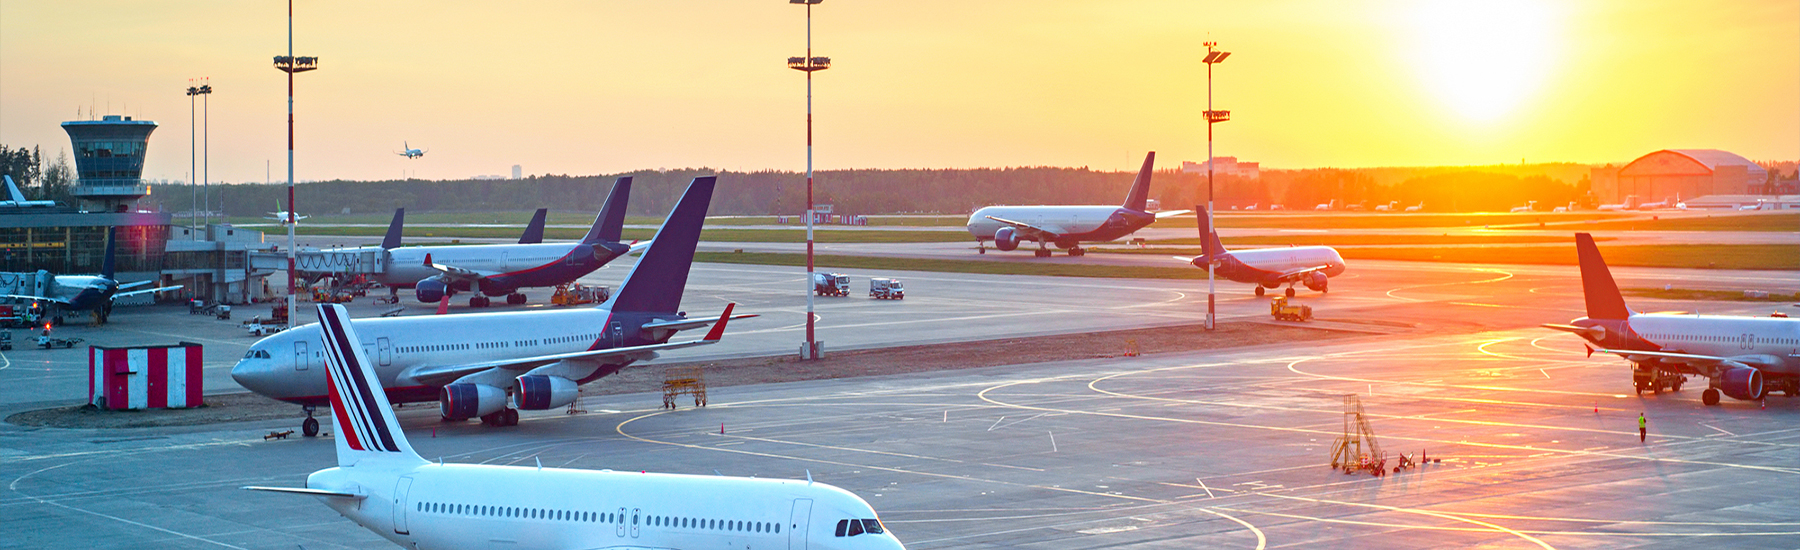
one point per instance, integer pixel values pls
(886, 289)
(1282, 310)
(831, 284)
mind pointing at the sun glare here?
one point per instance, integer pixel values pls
(1483, 59)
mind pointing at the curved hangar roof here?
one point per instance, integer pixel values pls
(1689, 162)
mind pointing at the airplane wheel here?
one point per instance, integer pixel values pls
(309, 427)
(1041, 253)
(1290, 292)
(511, 417)
(1077, 252)
(1677, 385)
(1710, 397)
(1259, 291)
(981, 251)
(496, 418)
(515, 298)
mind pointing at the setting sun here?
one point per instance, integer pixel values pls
(1484, 60)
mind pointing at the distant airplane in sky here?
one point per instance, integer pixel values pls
(282, 215)
(382, 484)
(1067, 226)
(18, 198)
(409, 152)
(1312, 266)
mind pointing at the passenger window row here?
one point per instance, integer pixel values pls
(854, 527)
(491, 345)
(599, 517)
(712, 524)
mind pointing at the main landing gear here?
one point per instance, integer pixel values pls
(515, 298)
(502, 417)
(310, 426)
(479, 301)
(1710, 397)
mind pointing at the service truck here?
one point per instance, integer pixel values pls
(831, 284)
(886, 289)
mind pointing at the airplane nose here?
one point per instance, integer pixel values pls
(251, 375)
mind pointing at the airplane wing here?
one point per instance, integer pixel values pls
(1298, 272)
(145, 291)
(1171, 213)
(439, 375)
(1690, 358)
(134, 285)
(1032, 232)
(29, 297)
(307, 492)
(638, 247)
(458, 273)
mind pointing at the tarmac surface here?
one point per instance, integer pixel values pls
(1181, 450)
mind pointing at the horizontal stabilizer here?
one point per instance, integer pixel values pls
(1172, 213)
(307, 492)
(145, 291)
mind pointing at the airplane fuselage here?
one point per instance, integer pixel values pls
(514, 265)
(1264, 266)
(483, 506)
(1072, 224)
(1773, 343)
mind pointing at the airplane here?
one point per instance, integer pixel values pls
(95, 293)
(409, 152)
(1312, 266)
(1417, 207)
(382, 484)
(1333, 205)
(18, 198)
(1067, 226)
(1744, 358)
(434, 272)
(1630, 203)
(283, 215)
(1391, 206)
(1251, 207)
(471, 363)
(1569, 208)
(1530, 206)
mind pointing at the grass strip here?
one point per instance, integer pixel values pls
(1782, 222)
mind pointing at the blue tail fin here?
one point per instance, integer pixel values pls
(365, 422)
(112, 243)
(1140, 188)
(1603, 298)
(656, 282)
(392, 240)
(12, 190)
(534, 231)
(1209, 239)
(610, 224)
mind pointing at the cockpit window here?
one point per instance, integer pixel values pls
(871, 526)
(854, 527)
(256, 354)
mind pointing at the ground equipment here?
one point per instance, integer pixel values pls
(886, 289)
(1282, 310)
(831, 284)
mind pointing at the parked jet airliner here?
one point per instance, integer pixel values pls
(94, 293)
(1312, 266)
(1743, 357)
(17, 199)
(383, 485)
(471, 363)
(1067, 226)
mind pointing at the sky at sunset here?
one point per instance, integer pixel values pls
(590, 87)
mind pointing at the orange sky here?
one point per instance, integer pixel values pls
(586, 87)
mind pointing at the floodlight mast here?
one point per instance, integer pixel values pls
(809, 65)
(1213, 56)
(290, 65)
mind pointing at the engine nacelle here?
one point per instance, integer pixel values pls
(539, 392)
(1315, 281)
(1743, 383)
(462, 401)
(430, 291)
(1006, 239)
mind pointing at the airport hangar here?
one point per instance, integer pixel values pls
(211, 262)
(1687, 175)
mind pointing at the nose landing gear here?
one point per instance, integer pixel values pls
(310, 426)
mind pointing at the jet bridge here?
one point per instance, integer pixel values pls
(313, 262)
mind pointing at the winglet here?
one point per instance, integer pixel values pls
(534, 231)
(718, 329)
(1139, 196)
(609, 226)
(366, 428)
(1603, 298)
(392, 240)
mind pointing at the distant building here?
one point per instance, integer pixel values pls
(109, 160)
(518, 171)
(1670, 174)
(1226, 166)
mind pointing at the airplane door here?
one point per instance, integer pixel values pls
(634, 522)
(400, 492)
(797, 523)
(619, 521)
(302, 359)
(618, 334)
(384, 350)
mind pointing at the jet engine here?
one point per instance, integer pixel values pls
(431, 290)
(1006, 239)
(1315, 281)
(462, 401)
(539, 392)
(1744, 383)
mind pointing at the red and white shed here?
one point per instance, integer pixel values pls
(145, 377)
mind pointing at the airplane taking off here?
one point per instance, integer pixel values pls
(471, 363)
(1743, 357)
(283, 215)
(491, 270)
(94, 293)
(1312, 266)
(17, 199)
(1066, 226)
(409, 152)
(382, 484)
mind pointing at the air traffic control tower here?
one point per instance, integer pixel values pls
(109, 160)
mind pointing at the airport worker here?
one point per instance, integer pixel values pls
(1643, 424)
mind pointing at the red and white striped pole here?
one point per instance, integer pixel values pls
(808, 65)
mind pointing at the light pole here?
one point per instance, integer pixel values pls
(1213, 56)
(205, 145)
(809, 65)
(193, 164)
(290, 65)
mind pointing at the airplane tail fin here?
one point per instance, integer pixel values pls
(366, 428)
(1208, 239)
(392, 240)
(1603, 298)
(12, 190)
(1140, 188)
(534, 231)
(655, 284)
(112, 243)
(610, 224)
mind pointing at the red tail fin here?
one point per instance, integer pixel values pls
(1603, 298)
